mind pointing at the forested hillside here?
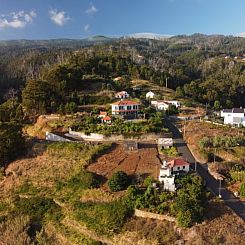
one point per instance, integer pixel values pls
(206, 68)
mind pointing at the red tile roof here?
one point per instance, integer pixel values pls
(178, 162)
(104, 113)
(126, 102)
(107, 118)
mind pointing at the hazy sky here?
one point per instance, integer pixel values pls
(44, 19)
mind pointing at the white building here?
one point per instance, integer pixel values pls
(164, 143)
(235, 116)
(149, 95)
(169, 170)
(122, 95)
(160, 105)
(174, 102)
(125, 107)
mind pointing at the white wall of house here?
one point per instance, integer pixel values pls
(185, 168)
(174, 102)
(168, 183)
(149, 95)
(162, 106)
(116, 108)
(164, 172)
(122, 95)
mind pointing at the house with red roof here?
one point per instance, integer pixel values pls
(125, 107)
(122, 95)
(102, 114)
(170, 169)
(106, 120)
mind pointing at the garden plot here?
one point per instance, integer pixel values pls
(144, 161)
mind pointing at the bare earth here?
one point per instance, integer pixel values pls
(144, 161)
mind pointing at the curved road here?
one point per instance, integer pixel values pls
(230, 200)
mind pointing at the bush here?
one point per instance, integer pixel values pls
(104, 218)
(148, 181)
(171, 152)
(38, 208)
(242, 190)
(119, 181)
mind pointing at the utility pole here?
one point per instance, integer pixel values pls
(220, 188)
(166, 82)
(215, 150)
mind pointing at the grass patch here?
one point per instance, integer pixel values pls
(104, 218)
(38, 208)
(76, 151)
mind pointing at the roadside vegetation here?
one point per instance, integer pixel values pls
(89, 125)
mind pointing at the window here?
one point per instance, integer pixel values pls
(178, 168)
(183, 167)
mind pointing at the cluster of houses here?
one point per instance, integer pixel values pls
(130, 108)
(234, 116)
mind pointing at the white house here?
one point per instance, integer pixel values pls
(169, 170)
(174, 102)
(149, 95)
(160, 105)
(122, 95)
(125, 107)
(234, 116)
(178, 165)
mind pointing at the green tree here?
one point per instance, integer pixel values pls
(11, 142)
(119, 181)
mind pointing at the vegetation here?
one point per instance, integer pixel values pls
(119, 181)
(221, 141)
(11, 142)
(89, 125)
(188, 206)
(170, 152)
(242, 190)
(105, 218)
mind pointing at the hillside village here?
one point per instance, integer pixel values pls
(97, 153)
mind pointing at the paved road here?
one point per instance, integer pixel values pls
(230, 200)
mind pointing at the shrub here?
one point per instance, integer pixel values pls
(242, 190)
(148, 181)
(119, 181)
(38, 208)
(170, 152)
(104, 218)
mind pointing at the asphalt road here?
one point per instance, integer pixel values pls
(230, 200)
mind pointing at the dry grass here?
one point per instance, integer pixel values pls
(97, 195)
(14, 231)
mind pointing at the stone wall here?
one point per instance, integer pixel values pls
(144, 214)
(113, 138)
(55, 137)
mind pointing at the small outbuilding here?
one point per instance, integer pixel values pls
(149, 95)
(106, 120)
(131, 145)
(164, 143)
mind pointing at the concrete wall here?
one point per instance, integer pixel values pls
(113, 138)
(55, 137)
(144, 214)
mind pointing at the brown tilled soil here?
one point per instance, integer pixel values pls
(144, 161)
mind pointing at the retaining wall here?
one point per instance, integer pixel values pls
(113, 138)
(144, 214)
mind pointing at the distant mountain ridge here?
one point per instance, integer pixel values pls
(148, 35)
